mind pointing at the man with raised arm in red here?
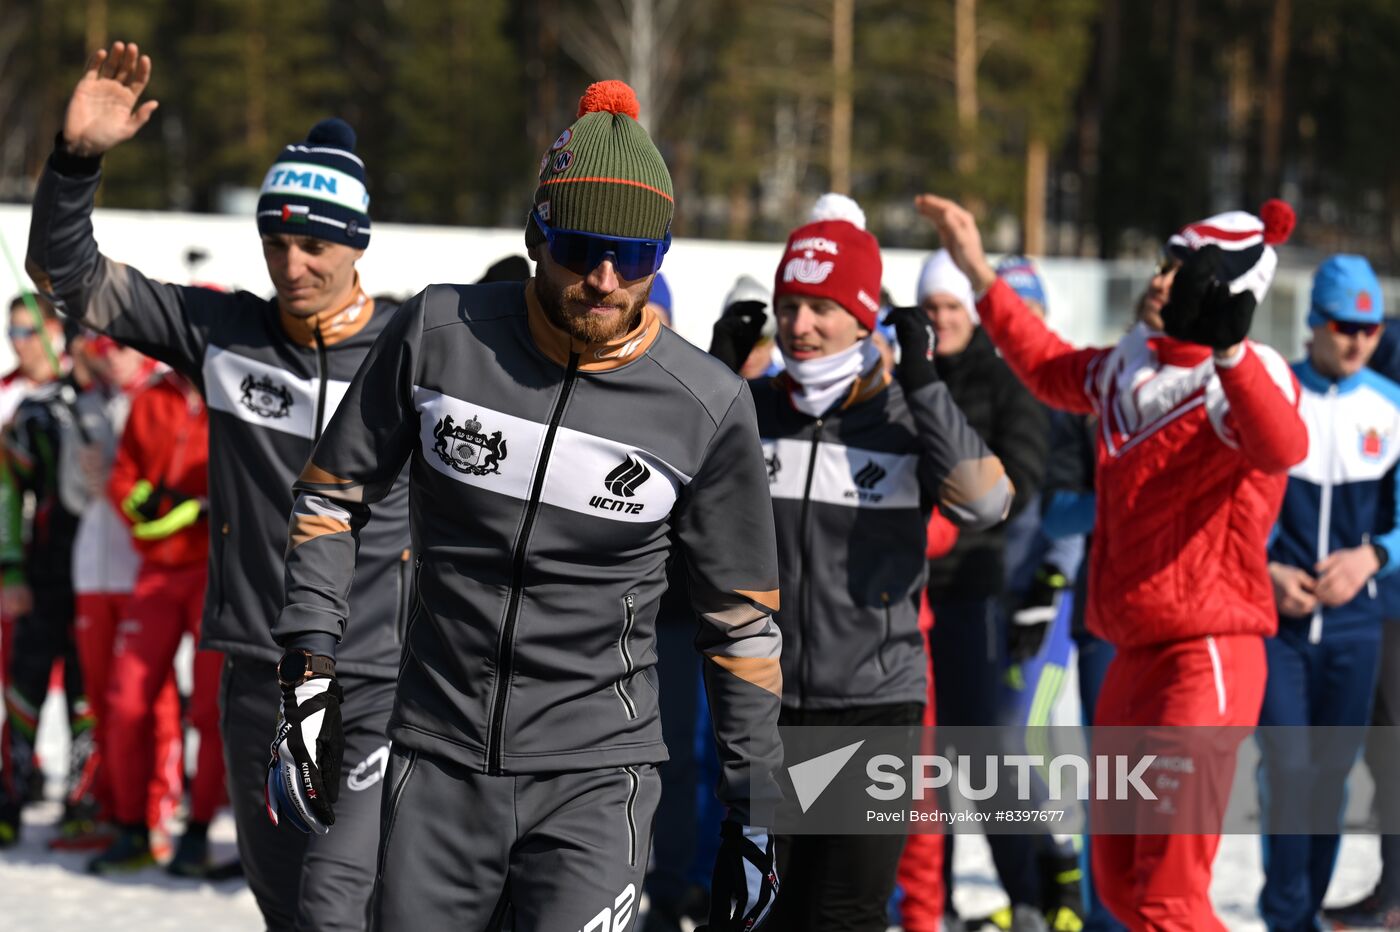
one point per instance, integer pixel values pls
(1199, 427)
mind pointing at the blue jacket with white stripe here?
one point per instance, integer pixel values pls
(1343, 494)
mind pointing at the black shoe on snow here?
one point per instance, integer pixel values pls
(9, 823)
(130, 851)
(191, 854)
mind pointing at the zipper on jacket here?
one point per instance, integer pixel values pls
(321, 389)
(1371, 581)
(417, 599)
(629, 617)
(400, 598)
(1324, 510)
(885, 640)
(223, 561)
(505, 647)
(804, 589)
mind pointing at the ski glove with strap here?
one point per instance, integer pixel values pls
(745, 881)
(916, 341)
(1201, 308)
(303, 777)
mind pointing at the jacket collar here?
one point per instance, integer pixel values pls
(593, 357)
(334, 326)
(1315, 381)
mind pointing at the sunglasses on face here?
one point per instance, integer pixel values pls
(21, 333)
(1348, 328)
(581, 252)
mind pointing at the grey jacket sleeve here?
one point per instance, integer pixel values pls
(725, 528)
(955, 465)
(168, 322)
(354, 465)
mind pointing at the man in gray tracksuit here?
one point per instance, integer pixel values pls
(272, 373)
(855, 461)
(560, 443)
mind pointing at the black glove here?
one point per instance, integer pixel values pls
(745, 855)
(737, 331)
(1032, 619)
(916, 344)
(303, 777)
(1201, 308)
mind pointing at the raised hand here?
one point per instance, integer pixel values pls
(103, 110)
(958, 230)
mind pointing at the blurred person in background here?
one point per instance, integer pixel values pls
(33, 367)
(104, 572)
(507, 269)
(272, 373)
(746, 321)
(854, 458)
(1380, 907)
(1337, 536)
(1199, 428)
(660, 300)
(38, 524)
(160, 483)
(966, 587)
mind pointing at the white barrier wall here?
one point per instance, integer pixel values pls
(1090, 300)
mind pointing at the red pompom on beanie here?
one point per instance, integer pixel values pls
(609, 97)
(1279, 220)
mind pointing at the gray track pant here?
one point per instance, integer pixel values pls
(467, 852)
(305, 883)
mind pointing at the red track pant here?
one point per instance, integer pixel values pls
(166, 604)
(1161, 883)
(98, 615)
(921, 865)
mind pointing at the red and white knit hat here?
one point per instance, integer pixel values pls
(833, 257)
(1246, 244)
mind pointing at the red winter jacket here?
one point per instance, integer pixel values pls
(1193, 458)
(166, 442)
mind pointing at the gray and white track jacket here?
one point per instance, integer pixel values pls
(270, 385)
(549, 481)
(852, 492)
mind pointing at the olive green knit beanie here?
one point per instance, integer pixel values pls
(604, 174)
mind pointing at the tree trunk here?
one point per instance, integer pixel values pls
(1270, 167)
(843, 15)
(96, 25)
(1037, 168)
(965, 82)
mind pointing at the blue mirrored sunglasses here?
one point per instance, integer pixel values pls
(582, 252)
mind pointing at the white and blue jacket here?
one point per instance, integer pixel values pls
(1344, 493)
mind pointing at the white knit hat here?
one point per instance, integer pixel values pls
(940, 275)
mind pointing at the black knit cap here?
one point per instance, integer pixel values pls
(317, 188)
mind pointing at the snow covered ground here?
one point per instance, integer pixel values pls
(45, 890)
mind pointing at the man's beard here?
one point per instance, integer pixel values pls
(586, 327)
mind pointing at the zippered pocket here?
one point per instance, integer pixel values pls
(629, 618)
(389, 817)
(633, 787)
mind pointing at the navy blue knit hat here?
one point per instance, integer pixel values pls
(317, 188)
